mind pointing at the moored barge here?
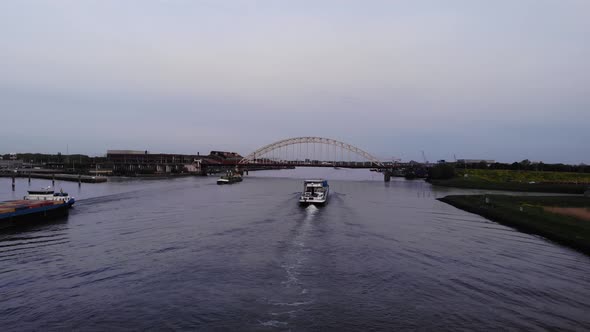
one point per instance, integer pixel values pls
(38, 205)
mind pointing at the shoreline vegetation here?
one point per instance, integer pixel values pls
(562, 219)
(533, 215)
(513, 180)
(555, 188)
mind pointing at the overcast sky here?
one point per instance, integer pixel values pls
(494, 79)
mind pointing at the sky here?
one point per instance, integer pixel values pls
(505, 80)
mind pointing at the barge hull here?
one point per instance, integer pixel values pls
(307, 203)
(33, 215)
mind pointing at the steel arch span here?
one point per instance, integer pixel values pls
(302, 140)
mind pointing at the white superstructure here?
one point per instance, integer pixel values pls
(314, 192)
(47, 194)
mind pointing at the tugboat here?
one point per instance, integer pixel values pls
(229, 178)
(314, 192)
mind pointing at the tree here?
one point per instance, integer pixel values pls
(525, 164)
(441, 172)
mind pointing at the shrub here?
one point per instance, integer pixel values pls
(441, 172)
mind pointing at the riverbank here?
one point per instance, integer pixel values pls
(61, 177)
(531, 214)
(512, 180)
(471, 183)
(101, 179)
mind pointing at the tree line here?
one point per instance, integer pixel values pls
(448, 170)
(527, 165)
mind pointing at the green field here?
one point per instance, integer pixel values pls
(526, 181)
(506, 210)
(491, 175)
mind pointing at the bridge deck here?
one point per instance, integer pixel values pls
(339, 164)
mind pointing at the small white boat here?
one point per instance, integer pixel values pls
(315, 192)
(47, 194)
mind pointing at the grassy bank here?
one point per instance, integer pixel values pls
(533, 218)
(526, 181)
(500, 175)
(468, 183)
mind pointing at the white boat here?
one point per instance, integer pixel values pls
(47, 194)
(315, 192)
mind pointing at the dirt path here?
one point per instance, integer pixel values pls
(580, 213)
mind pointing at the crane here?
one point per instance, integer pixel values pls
(424, 157)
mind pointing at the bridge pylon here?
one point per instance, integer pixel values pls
(387, 175)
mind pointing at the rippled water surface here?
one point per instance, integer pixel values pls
(188, 254)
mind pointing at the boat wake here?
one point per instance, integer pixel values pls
(273, 323)
(311, 211)
(295, 294)
(296, 255)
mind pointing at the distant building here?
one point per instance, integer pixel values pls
(475, 161)
(120, 152)
(143, 162)
(225, 157)
(55, 165)
(224, 154)
(11, 164)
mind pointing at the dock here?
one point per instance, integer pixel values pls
(62, 177)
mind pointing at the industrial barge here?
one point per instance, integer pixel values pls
(229, 178)
(38, 205)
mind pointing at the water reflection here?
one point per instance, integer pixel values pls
(188, 254)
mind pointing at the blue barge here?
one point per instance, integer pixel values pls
(38, 205)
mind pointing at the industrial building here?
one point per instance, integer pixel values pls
(11, 164)
(475, 161)
(126, 162)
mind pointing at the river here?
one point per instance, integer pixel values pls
(187, 254)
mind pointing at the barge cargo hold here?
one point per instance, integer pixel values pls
(13, 213)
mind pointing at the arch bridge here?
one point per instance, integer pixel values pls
(310, 151)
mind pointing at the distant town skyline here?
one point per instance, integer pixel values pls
(503, 80)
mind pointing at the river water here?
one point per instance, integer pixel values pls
(186, 254)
